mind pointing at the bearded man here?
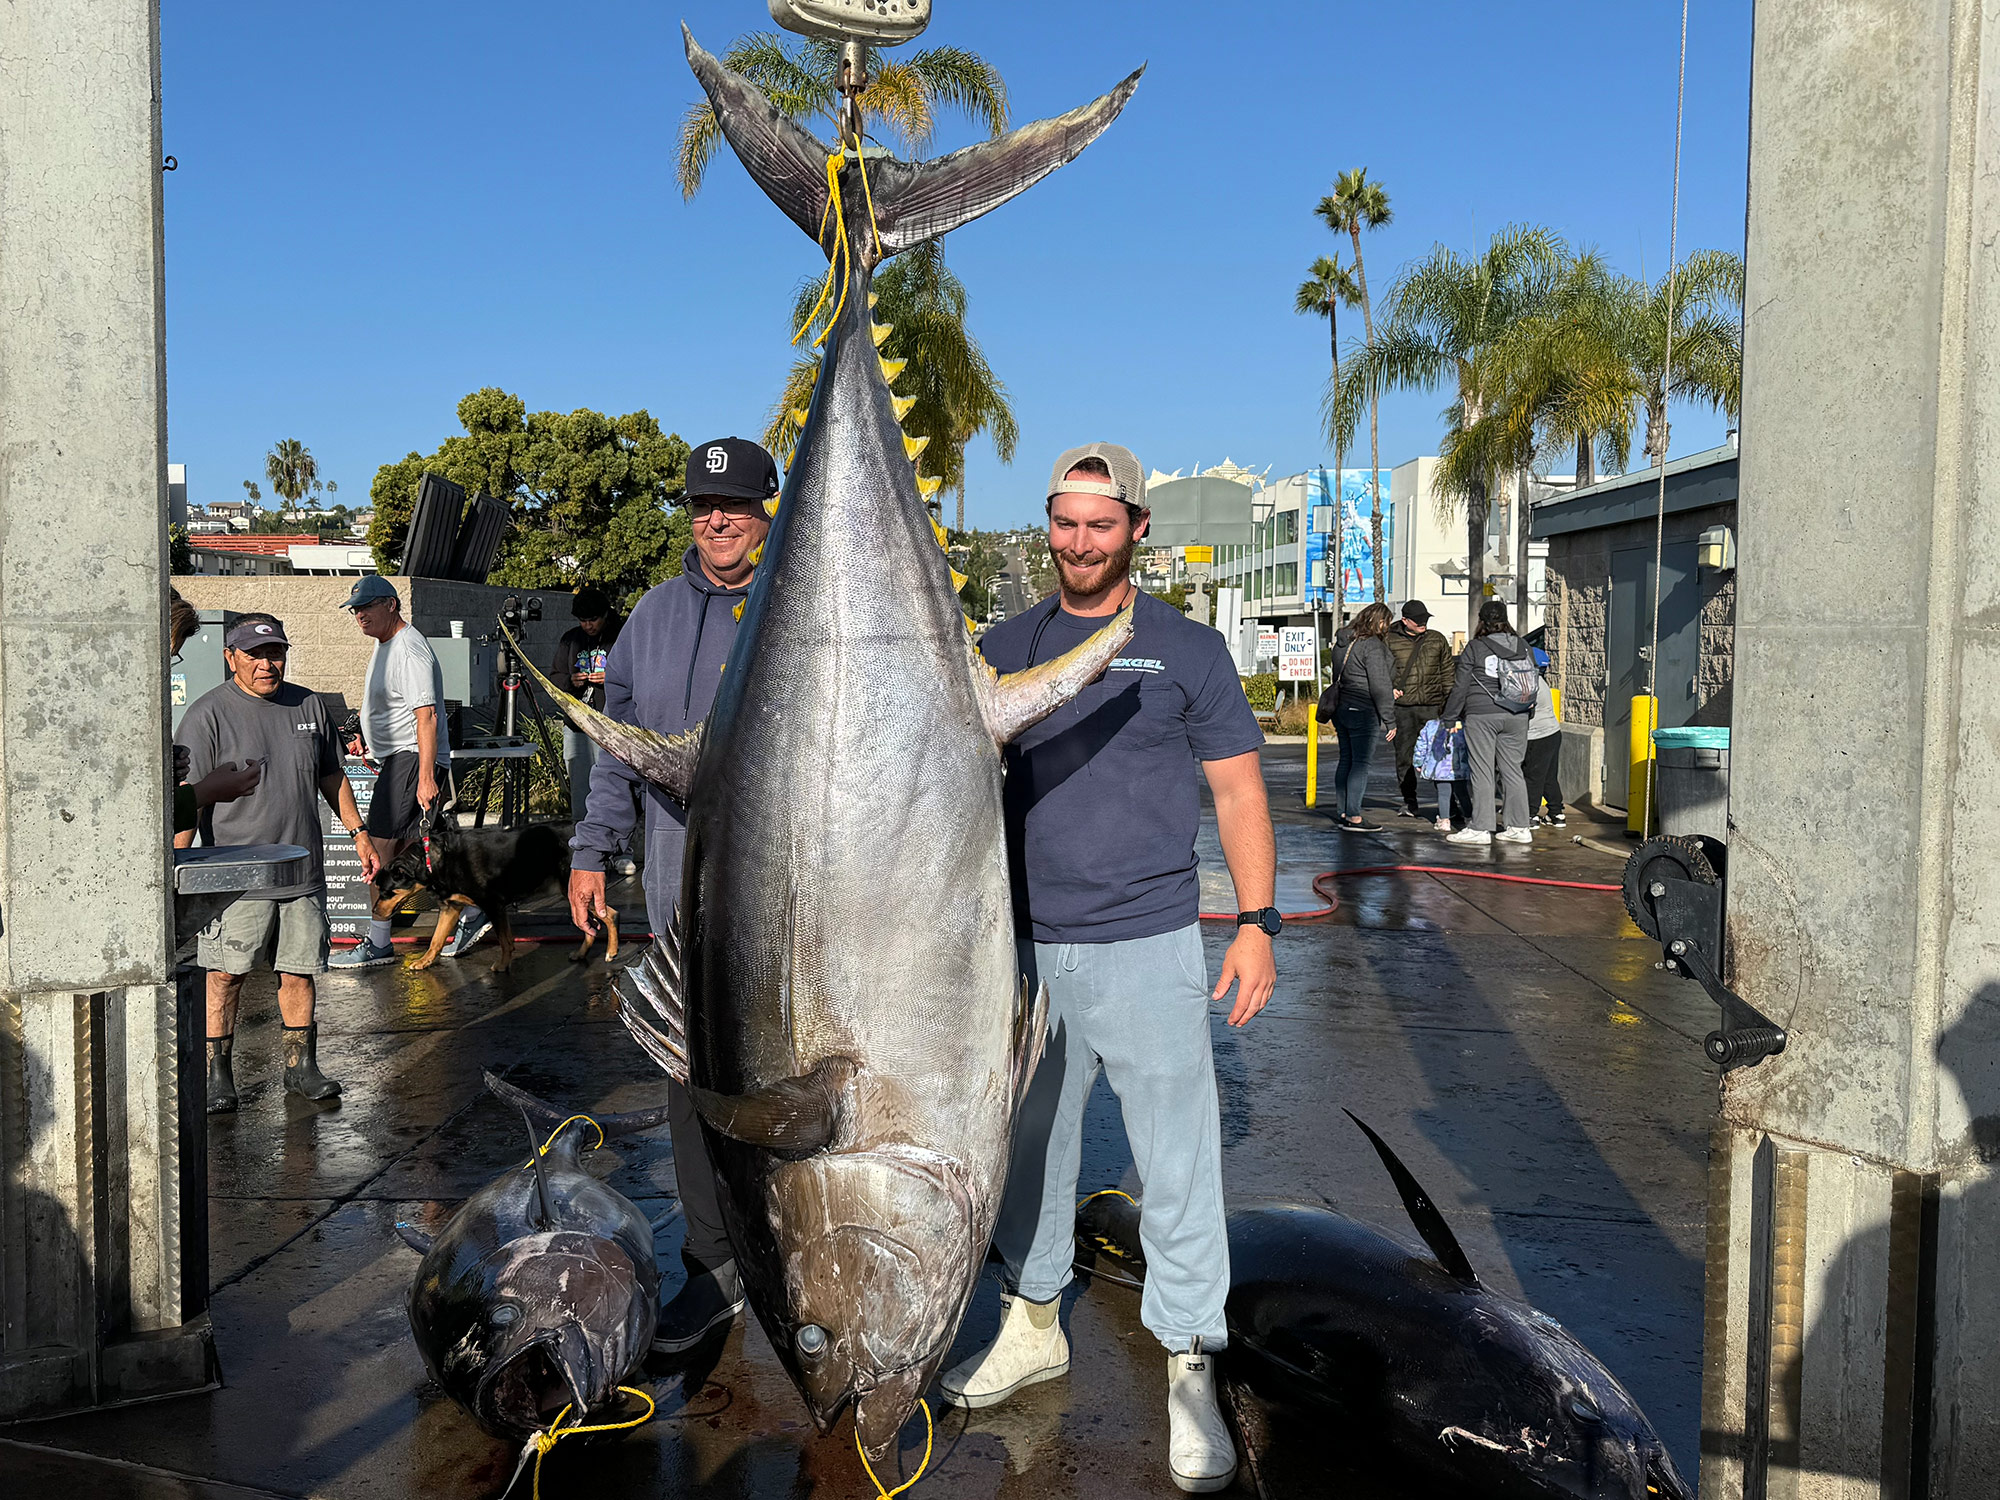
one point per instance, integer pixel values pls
(1102, 811)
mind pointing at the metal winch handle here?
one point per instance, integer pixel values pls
(1747, 1036)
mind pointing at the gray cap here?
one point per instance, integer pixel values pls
(1127, 483)
(369, 588)
(248, 635)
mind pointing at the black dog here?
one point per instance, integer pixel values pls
(490, 868)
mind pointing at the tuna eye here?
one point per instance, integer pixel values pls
(811, 1340)
(1584, 1411)
(504, 1314)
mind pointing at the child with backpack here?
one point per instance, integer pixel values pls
(1493, 695)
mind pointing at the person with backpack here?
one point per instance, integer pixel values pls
(1494, 696)
(1361, 704)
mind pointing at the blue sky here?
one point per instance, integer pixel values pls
(381, 207)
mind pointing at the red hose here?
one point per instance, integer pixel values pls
(1322, 884)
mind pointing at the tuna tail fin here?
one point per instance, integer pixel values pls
(553, 1115)
(1018, 701)
(666, 760)
(917, 201)
(913, 201)
(1422, 1211)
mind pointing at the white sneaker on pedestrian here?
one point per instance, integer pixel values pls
(1444, 825)
(1200, 1449)
(1516, 836)
(1025, 1351)
(1469, 836)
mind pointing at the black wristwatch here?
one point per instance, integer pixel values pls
(1267, 918)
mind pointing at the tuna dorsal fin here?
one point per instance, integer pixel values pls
(552, 1115)
(913, 201)
(666, 760)
(792, 1118)
(917, 201)
(1423, 1213)
(1020, 700)
(544, 1216)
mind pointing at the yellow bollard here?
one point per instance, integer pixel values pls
(1639, 760)
(1313, 759)
(1556, 697)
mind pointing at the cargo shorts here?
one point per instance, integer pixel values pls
(288, 936)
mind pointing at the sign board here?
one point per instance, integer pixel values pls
(349, 899)
(1267, 645)
(1198, 554)
(1295, 654)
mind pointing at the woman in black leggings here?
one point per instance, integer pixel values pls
(1361, 706)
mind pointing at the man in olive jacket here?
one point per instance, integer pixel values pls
(1423, 682)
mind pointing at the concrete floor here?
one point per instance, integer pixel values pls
(1513, 1043)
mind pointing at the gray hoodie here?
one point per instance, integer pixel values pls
(662, 674)
(1471, 692)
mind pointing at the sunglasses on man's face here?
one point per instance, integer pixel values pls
(739, 510)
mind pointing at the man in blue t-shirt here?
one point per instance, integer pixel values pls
(1102, 810)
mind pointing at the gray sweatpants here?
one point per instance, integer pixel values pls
(1139, 1010)
(1501, 739)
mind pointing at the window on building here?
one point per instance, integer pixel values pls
(1287, 581)
(1287, 523)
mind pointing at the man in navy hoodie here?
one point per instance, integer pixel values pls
(662, 674)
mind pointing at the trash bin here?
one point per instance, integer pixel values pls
(1693, 781)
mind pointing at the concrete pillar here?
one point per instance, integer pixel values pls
(93, 1303)
(1853, 1330)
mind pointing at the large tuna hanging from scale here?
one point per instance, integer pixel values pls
(840, 990)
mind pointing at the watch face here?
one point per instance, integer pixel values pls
(1269, 920)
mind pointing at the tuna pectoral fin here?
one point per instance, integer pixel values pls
(791, 1118)
(1031, 1031)
(1020, 700)
(666, 760)
(917, 201)
(414, 1237)
(1423, 1213)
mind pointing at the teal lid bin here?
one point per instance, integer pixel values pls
(1694, 737)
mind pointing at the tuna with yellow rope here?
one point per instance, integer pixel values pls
(534, 1306)
(863, 1149)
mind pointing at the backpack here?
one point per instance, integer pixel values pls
(1516, 682)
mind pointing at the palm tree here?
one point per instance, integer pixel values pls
(1449, 320)
(958, 396)
(798, 76)
(292, 470)
(1327, 288)
(1707, 301)
(956, 392)
(1356, 204)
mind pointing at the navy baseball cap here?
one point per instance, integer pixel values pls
(248, 635)
(369, 588)
(731, 468)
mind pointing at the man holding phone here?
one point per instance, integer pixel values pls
(258, 718)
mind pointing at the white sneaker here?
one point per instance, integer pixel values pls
(1516, 836)
(1019, 1355)
(1200, 1450)
(1444, 825)
(1469, 836)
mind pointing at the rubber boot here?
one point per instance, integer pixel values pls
(1201, 1452)
(1029, 1347)
(302, 1074)
(221, 1079)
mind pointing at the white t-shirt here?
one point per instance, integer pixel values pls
(403, 676)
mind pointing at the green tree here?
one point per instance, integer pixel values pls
(1449, 322)
(292, 471)
(957, 394)
(593, 496)
(180, 560)
(978, 555)
(1328, 287)
(1356, 204)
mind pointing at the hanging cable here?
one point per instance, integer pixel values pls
(1666, 394)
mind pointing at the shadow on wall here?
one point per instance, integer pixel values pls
(37, 1233)
(1934, 1255)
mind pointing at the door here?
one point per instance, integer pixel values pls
(1629, 637)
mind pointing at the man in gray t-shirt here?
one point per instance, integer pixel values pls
(256, 716)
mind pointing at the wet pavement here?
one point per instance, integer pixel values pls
(1512, 1042)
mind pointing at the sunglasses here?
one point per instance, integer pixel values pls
(742, 510)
